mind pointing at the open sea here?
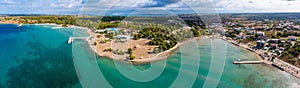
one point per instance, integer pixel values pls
(39, 56)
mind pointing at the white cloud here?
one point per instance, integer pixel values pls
(257, 5)
(100, 7)
(39, 6)
(130, 3)
(7, 2)
(66, 4)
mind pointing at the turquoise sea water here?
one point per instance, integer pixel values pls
(39, 56)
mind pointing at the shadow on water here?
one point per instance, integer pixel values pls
(44, 68)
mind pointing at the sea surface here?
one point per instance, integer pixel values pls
(39, 56)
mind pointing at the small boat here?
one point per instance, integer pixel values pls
(20, 25)
(57, 27)
(70, 40)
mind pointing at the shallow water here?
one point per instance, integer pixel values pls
(233, 76)
(37, 55)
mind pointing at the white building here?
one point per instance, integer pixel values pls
(260, 33)
(123, 37)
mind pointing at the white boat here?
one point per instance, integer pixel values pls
(70, 40)
(20, 25)
(57, 27)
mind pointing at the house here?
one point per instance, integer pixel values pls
(274, 41)
(223, 32)
(260, 44)
(273, 46)
(260, 33)
(296, 27)
(238, 29)
(241, 35)
(266, 20)
(289, 31)
(292, 38)
(250, 32)
(258, 28)
(265, 38)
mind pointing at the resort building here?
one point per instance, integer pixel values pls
(122, 38)
(107, 29)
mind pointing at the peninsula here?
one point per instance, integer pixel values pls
(134, 39)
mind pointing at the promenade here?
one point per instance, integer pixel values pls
(293, 70)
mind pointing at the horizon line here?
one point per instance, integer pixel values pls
(126, 14)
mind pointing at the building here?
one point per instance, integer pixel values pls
(238, 29)
(260, 44)
(107, 29)
(260, 33)
(123, 38)
(265, 38)
(274, 41)
(292, 38)
(273, 46)
(241, 35)
(250, 32)
(99, 31)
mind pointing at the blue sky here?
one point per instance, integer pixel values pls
(119, 7)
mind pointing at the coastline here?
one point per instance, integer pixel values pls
(246, 48)
(277, 63)
(157, 57)
(165, 54)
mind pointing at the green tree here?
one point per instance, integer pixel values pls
(131, 57)
(129, 51)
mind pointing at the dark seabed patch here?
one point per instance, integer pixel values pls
(45, 68)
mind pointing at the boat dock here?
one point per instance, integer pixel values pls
(247, 62)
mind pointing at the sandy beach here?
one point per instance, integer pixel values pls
(141, 55)
(140, 52)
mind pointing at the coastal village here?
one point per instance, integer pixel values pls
(275, 41)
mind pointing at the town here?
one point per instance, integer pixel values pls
(275, 40)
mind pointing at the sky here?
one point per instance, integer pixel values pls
(119, 7)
